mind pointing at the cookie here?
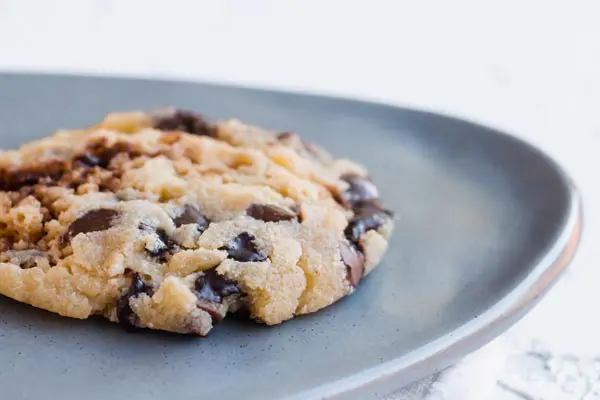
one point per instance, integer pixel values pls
(168, 221)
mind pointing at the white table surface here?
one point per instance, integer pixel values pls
(529, 67)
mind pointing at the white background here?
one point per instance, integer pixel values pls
(529, 67)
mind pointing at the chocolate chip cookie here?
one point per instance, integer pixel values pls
(168, 221)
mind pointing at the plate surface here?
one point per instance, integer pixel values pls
(486, 225)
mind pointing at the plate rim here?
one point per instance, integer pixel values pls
(477, 332)
(469, 336)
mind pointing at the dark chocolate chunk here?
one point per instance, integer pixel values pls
(88, 159)
(354, 260)
(126, 316)
(360, 189)
(191, 215)
(186, 121)
(285, 135)
(166, 244)
(101, 154)
(213, 287)
(45, 173)
(367, 215)
(269, 213)
(164, 247)
(242, 248)
(297, 209)
(362, 197)
(92, 221)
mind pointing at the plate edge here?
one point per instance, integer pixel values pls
(474, 334)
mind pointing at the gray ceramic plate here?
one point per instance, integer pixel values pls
(486, 225)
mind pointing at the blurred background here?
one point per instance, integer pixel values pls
(531, 68)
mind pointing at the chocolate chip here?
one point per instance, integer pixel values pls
(269, 213)
(285, 135)
(297, 209)
(162, 249)
(165, 245)
(360, 189)
(191, 215)
(213, 287)
(96, 220)
(186, 121)
(367, 215)
(242, 248)
(126, 316)
(354, 260)
(88, 159)
(101, 154)
(362, 197)
(45, 173)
